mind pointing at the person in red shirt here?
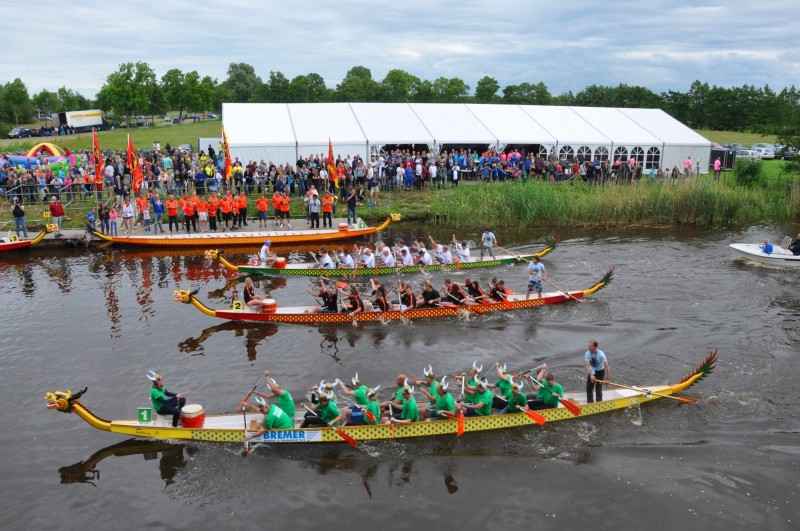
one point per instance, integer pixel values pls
(57, 213)
(213, 209)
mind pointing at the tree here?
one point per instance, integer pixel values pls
(182, 91)
(242, 83)
(398, 86)
(486, 90)
(357, 85)
(206, 94)
(132, 89)
(277, 88)
(45, 101)
(17, 102)
(528, 94)
(450, 90)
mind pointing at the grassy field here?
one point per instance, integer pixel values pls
(143, 137)
(731, 137)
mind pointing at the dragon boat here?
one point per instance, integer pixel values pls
(13, 243)
(304, 314)
(312, 269)
(229, 238)
(231, 428)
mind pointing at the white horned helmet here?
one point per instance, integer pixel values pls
(355, 380)
(261, 402)
(519, 384)
(444, 384)
(325, 387)
(408, 387)
(476, 368)
(373, 392)
(153, 376)
(427, 372)
(483, 383)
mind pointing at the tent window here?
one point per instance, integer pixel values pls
(638, 154)
(621, 154)
(585, 153)
(566, 153)
(543, 151)
(653, 158)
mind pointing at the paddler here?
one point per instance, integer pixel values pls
(409, 411)
(274, 418)
(285, 401)
(325, 412)
(481, 404)
(428, 388)
(549, 390)
(360, 393)
(445, 403)
(503, 383)
(516, 401)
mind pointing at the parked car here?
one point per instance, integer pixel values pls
(733, 147)
(185, 147)
(748, 153)
(211, 116)
(786, 153)
(19, 132)
(769, 146)
(767, 153)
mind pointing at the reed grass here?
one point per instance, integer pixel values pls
(533, 204)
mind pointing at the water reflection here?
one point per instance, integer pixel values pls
(171, 461)
(254, 334)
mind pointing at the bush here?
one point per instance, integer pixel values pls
(748, 172)
(5, 128)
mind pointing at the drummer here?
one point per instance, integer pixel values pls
(250, 298)
(267, 257)
(164, 402)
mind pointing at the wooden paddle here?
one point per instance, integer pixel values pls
(518, 257)
(253, 390)
(575, 410)
(681, 399)
(348, 439)
(460, 426)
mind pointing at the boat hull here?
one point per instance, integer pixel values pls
(753, 253)
(13, 246)
(223, 239)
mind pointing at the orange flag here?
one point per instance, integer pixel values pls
(332, 164)
(133, 166)
(228, 162)
(99, 161)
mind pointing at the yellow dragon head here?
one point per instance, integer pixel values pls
(63, 400)
(213, 254)
(183, 295)
(51, 227)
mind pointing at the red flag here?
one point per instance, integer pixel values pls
(99, 161)
(332, 165)
(133, 166)
(228, 162)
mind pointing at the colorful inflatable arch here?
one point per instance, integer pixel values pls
(47, 147)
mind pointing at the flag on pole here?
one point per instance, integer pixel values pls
(99, 161)
(133, 166)
(332, 165)
(227, 151)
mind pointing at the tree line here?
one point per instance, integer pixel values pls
(134, 88)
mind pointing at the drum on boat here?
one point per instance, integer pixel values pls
(269, 306)
(344, 227)
(280, 263)
(193, 416)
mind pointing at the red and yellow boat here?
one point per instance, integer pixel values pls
(305, 315)
(13, 243)
(219, 239)
(230, 428)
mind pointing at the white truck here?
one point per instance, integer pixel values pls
(81, 121)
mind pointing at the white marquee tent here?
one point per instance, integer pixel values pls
(284, 132)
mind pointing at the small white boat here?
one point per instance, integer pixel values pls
(779, 257)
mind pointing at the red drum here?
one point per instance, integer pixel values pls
(269, 306)
(343, 227)
(280, 263)
(193, 416)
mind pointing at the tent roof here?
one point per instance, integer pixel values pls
(509, 124)
(665, 127)
(315, 123)
(566, 125)
(615, 125)
(386, 123)
(452, 124)
(255, 124)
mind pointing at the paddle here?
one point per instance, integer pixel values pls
(575, 410)
(530, 370)
(681, 399)
(246, 442)
(253, 390)
(518, 257)
(504, 299)
(460, 426)
(536, 417)
(349, 440)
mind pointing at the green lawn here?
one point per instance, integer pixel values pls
(731, 137)
(143, 137)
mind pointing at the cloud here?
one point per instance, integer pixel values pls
(660, 44)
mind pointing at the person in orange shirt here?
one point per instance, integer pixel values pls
(276, 204)
(327, 209)
(285, 207)
(202, 214)
(225, 208)
(234, 211)
(242, 204)
(262, 205)
(213, 209)
(141, 205)
(189, 216)
(196, 202)
(172, 212)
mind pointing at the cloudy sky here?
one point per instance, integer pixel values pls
(658, 44)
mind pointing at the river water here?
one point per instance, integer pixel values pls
(103, 318)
